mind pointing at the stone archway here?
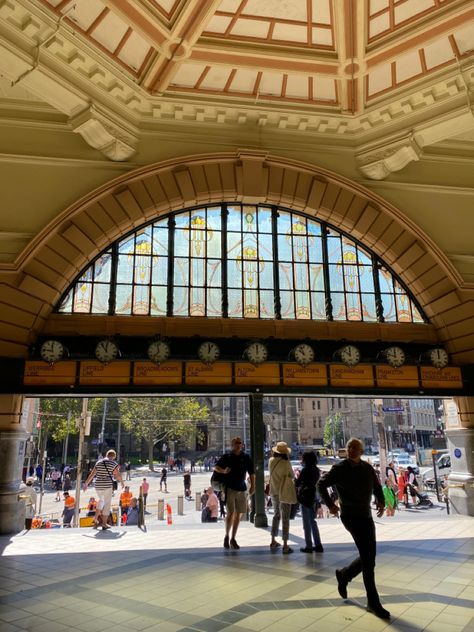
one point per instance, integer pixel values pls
(34, 284)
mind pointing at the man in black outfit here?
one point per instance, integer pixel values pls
(356, 481)
(235, 465)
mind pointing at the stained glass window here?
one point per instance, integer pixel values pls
(241, 261)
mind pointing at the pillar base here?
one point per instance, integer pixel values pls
(260, 520)
(12, 510)
(461, 478)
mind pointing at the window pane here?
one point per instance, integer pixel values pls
(127, 246)
(338, 307)
(235, 303)
(214, 244)
(197, 301)
(335, 278)
(160, 242)
(287, 305)
(159, 270)
(234, 273)
(180, 301)
(251, 303)
(364, 258)
(265, 250)
(334, 249)
(181, 243)
(318, 305)
(197, 273)
(301, 276)
(102, 268)
(214, 271)
(158, 301)
(125, 269)
(284, 248)
(264, 220)
(283, 222)
(417, 317)
(285, 275)
(123, 300)
(315, 249)
(100, 298)
(353, 306)
(266, 276)
(389, 312)
(267, 304)
(214, 302)
(316, 275)
(369, 313)
(385, 281)
(214, 215)
(182, 220)
(303, 309)
(66, 304)
(141, 300)
(181, 275)
(234, 245)
(403, 308)
(366, 279)
(82, 298)
(234, 218)
(142, 273)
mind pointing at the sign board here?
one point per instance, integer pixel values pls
(403, 377)
(267, 374)
(356, 376)
(61, 373)
(94, 372)
(149, 373)
(212, 374)
(451, 414)
(450, 377)
(392, 409)
(308, 375)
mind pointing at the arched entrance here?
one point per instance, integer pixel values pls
(34, 284)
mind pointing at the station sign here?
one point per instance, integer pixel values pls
(450, 377)
(94, 372)
(219, 373)
(360, 375)
(41, 373)
(308, 375)
(247, 374)
(402, 377)
(150, 374)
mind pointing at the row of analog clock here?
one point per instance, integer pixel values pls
(158, 351)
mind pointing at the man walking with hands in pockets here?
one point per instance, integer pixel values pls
(356, 481)
(235, 465)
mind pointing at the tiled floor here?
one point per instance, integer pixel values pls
(179, 579)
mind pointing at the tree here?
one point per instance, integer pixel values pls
(333, 430)
(53, 415)
(155, 419)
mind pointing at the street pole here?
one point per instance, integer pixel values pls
(66, 440)
(84, 422)
(102, 428)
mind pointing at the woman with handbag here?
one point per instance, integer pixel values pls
(282, 492)
(107, 473)
(306, 495)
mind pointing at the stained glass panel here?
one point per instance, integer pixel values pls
(141, 267)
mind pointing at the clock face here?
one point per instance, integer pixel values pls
(106, 351)
(439, 358)
(304, 354)
(256, 353)
(350, 355)
(208, 352)
(52, 351)
(159, 351)
(395, 356)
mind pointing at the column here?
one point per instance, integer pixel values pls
(460, 436)
(258, 515)
(13, 439)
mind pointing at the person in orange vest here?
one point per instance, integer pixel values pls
(125, 500)
(68, 511)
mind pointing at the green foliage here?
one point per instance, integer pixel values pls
(155, 419)
(54, 415)
(333, 430)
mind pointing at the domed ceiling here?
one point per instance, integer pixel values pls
(386, 77)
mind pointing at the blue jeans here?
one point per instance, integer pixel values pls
(310, 526)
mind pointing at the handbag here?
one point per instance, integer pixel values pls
(114, 482)
(218, 482)
(306, 496)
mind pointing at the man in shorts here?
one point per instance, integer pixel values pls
(105, 471)
(236, 465)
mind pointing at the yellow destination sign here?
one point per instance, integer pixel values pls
(148, 373)
(212, 374)
(61, 373)
(115, 373)
(251, 375)
(450, 377)
(403, 377)
(360, 375)
(309, 375)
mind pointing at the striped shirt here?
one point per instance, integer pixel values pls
(104, 469)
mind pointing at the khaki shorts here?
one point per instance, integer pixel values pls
(236, 501)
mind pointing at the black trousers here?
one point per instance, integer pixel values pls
(363, 532)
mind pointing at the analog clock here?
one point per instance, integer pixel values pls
(438, 357)
(208, 352)
(304, 354)
(395, 356)
(52, 351)
(106, 351)
(159, 351)
(256, 352)
(349, 355)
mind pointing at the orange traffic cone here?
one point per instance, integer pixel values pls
(169, 513)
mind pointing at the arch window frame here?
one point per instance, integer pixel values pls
(250, 263)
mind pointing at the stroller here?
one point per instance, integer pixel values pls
(423, 500)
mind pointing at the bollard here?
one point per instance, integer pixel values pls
(169, 514)
(198, 501)
(161, 508)
(180, 506)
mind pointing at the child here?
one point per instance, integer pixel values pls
(390, 497)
